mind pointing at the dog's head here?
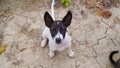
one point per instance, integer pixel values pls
(58, 28)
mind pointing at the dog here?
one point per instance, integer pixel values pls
(115, 63)
(56, 34)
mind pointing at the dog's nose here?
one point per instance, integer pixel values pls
(58, 40)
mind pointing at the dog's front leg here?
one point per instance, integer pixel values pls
(51, 53)
(70, 52)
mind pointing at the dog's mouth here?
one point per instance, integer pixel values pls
(58, 42)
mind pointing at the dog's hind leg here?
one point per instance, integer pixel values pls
(45, 37)
(44, 42)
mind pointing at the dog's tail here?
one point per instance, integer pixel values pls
(52, 9)
(111, 56)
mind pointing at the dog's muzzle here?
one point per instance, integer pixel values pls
(58, 40)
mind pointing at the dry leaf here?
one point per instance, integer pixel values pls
(106, 14)
(2, 48)
(99, 12)
(7, 14)
(103, 13)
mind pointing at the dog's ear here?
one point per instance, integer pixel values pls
(48, 19)
(67, 19)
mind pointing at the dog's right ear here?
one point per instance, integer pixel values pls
(48, 19)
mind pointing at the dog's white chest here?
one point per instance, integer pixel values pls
(60, 47)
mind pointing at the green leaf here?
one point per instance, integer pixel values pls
(63, 1)
(66, 4)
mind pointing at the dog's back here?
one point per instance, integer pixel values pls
(115, 63)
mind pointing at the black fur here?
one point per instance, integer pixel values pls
(67, 19)
(115, 63)
(48, 19)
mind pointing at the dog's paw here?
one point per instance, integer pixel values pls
(43, 43)
(71, 54)
(51, 54)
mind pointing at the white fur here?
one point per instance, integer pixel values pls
(52, 9)
(66, 43)
(58, 35)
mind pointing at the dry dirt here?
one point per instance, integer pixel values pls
(21, 25)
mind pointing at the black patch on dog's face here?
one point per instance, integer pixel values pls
(58, 25)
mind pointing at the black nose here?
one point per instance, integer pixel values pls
(58, 40)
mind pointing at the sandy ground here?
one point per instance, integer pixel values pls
(94, 37)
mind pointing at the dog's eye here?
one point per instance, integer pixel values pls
(63, 28)
(52, 28)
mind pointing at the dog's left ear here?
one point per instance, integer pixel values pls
(67, 19)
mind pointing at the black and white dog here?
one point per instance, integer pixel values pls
(56, 34)
(115, 63)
